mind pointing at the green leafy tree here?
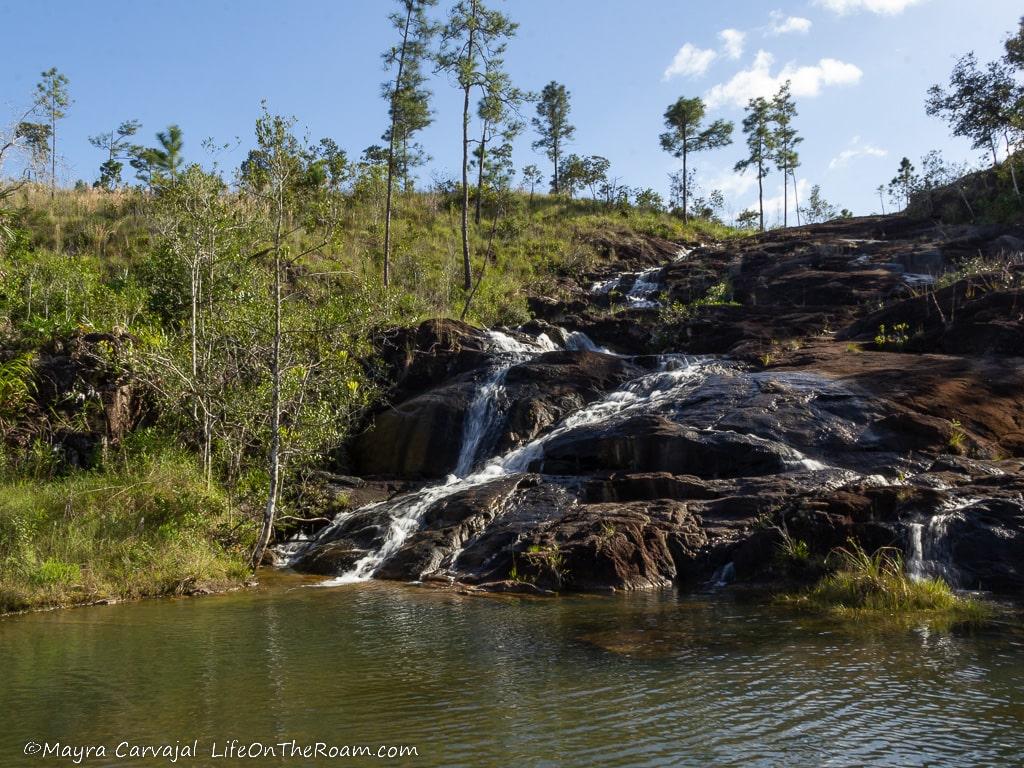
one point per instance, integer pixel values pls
(748, 219)
(498, 112)
(686, 135)
(531, 178)
(408, 99)
(760, 146)
(53, 100)
(977, 104)
(819, 209)
(1015, 47)
(595, 173)
(648, 200)
(784, 141)
(118, 148)
(473, 42)
(553, 127)
(303, 413)
(198, 276)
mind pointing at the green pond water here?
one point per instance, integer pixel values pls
(632, 680)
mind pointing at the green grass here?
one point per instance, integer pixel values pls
(153, 530)
(877, 584)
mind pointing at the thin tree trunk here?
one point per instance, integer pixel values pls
(480, 176)
(760, 195)
(53, 151)
(466, 266)
(686, 188)
(785, 196)
(1010, 162)
(274, 458)
(391, 153)
(796, 197)
(554, 143)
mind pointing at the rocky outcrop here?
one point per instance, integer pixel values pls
(633, 470)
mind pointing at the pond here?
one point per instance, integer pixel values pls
(645, 679)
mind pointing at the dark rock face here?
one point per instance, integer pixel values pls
(655, 444)
(421, 437)
(610, 471)
(415, 437)
(985, 542)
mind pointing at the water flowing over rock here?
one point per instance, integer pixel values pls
(609, 445)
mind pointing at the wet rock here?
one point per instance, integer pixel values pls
(415, 437)
(552, 385)
(656, 444)
(986, 545)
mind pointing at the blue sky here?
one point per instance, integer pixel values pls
(861, 69)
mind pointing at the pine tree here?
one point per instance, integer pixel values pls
(760, 144)
(686, 135)
(553, 127)
(116, 144)
(784, 142)
(498, 111)
(531, 178)
(53, 100)
(904, 183)
(473, 42)
(408, 99)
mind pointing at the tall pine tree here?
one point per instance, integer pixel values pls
(408, 99)
(553, 127)
(757, 127)
(473, 42)
(686, 135)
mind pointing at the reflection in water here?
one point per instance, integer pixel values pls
(648, 679)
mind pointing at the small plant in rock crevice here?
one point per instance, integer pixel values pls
(957, 436)
(894, 338)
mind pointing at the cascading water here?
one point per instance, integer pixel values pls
(928, 555)
(485, 410)
(645, 286)
(675, 378)
(648, 391)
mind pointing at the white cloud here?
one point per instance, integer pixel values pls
(773, 204)
(886, 7)
(854, 151)
(731, 184)
(807, 81)
(733, 40)
(783, 25)
(690, 61)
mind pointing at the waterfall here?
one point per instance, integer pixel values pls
(644, 286)
(606, 286)
(928, 550)
(578, 341)
(485, 410)
(638, 396)
(481, 418)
